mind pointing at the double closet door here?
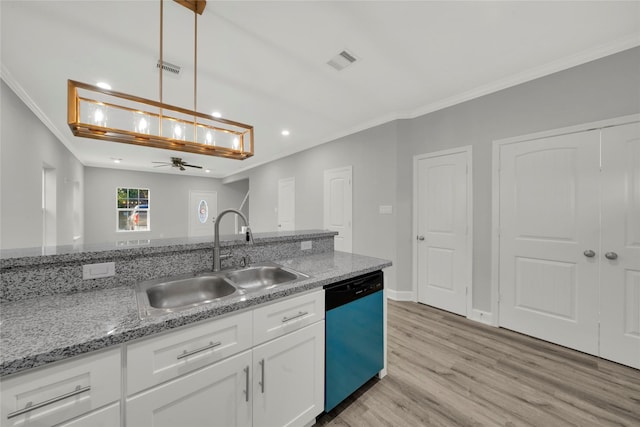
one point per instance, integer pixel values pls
(570, 240)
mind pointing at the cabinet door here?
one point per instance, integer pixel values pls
(213, 396)
(105, 417)
(61, 392)
(288, 378)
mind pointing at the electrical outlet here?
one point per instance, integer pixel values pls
(96, 271)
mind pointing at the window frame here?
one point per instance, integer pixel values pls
(136, 201)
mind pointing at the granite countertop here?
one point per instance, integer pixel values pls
(24, 257)
(38, 331)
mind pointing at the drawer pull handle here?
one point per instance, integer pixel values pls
(295, 316)
(246, 384)
(198, 350)
(261, 382)
(31, 407)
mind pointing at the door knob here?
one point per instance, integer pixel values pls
(589, 253)
(420, 238)
(611, 255)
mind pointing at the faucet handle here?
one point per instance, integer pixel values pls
(249, 236)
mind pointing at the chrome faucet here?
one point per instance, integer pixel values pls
(216, 235)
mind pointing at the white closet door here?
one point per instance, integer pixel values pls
(549, 218)
(443, 245)
(287, 204)
(620, 284)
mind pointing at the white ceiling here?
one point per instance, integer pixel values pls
(265, 62)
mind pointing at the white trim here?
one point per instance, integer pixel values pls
(401, 295)
(481, 317)
(468, 150)
(31, 104)
(495, 192)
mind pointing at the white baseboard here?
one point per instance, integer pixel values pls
(482, 317)
(400, 295)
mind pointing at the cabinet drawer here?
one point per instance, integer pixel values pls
(159, 359)
(55, 394)
(105, 417)
(286, 316)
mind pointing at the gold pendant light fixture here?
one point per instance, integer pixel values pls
(98, 113)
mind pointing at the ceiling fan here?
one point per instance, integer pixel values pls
(176, 162)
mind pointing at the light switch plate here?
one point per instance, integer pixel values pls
(306, 245)
(96, 271)
(386, 209)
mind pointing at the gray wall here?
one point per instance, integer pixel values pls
(383, 159)
(371, 154)
(26, 145)
(602, 89)
(169, 196)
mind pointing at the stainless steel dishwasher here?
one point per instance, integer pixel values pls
(354, 340)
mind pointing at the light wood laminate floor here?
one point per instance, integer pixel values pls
(445, 370)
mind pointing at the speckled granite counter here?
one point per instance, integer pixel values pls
(38, 331)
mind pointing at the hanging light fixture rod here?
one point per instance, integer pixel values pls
(108, 115)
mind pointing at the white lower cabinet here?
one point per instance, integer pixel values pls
(284, 379)
(278, 382)
(69, 392)
(288, 378)
(213, 396)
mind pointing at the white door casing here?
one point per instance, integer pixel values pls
(287, 204)
(338, 206)
(620, 277)
(203, 208)
(442, 224)
(549, 196)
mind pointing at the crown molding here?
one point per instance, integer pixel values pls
(13, 84)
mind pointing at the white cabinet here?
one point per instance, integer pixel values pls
(158, 359)
(288, 380)
(280, 318)
(213, 396)
(279, 382)
(64, 391)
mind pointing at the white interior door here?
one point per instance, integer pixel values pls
(620, 251)
(338, 195)
(287, 204)
(549, 220)
(203, 207)
(443, 201)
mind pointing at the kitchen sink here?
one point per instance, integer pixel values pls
(262, 276)
(165, 295)
(189, 291)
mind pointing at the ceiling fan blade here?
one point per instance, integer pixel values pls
(181, 168)
(191, 166)
(162, 163)
(160, 166)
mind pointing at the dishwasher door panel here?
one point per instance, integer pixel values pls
(354, 347)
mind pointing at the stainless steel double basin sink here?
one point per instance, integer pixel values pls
(160, 296)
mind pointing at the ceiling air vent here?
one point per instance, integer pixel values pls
(169, 68)
(342, 60)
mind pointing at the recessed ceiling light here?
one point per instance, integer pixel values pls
(117, 160)
(285, 133)
(216, 114)
(104, 85)
(207, 170)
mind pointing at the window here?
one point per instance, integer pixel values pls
(133, 210)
